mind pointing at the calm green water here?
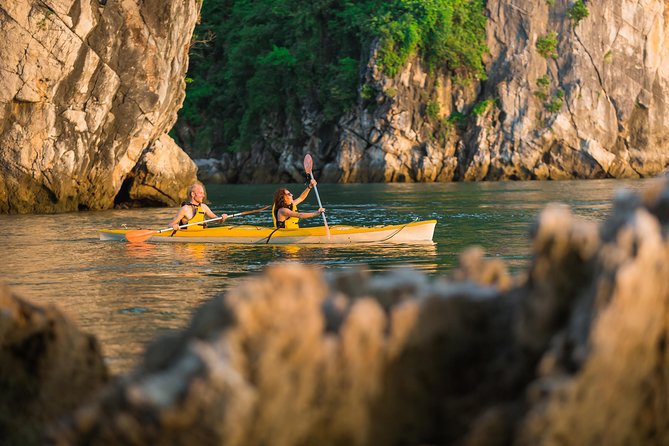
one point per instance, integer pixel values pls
(126, 294)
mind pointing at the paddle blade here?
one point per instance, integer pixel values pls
(139, 235)
(308, 163)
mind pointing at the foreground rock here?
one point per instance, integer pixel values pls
(88, 87)
(47, 368)
(602, 378)
(572, 350)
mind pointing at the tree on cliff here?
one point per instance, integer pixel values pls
(277, 59)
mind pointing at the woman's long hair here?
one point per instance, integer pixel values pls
(280, 199)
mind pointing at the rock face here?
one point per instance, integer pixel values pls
(390, 138)
(87, 87)
(159, 176)
(573, 349)
(90, 87)
(594, 107)
(602, 111)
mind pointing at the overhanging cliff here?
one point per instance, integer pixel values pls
(89, 89)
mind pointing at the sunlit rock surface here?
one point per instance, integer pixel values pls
(88, 87)
(159, 176)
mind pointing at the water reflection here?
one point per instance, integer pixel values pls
(140, 250)
(237, 260)
(373, 257)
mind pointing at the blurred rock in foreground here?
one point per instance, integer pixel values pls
(47, 368)
(571, 352)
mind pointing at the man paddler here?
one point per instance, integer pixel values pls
(194, 210)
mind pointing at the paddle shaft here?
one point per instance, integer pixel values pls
(190, 224)
(238, 214)
(141, 235)
(318, 197)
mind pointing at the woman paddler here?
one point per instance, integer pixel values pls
(284, 209)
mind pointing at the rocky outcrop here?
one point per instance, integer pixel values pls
(47, 368)
(575, 348)
(159, 176)
(292, 358)
(88, 87)
(594, 105)
(602, 379)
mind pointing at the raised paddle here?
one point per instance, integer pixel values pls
(142, 235)
(308, 164)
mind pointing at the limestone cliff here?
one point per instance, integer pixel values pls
(87, 88)
(566, 97)
(90, 88)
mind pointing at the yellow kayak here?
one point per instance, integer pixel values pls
(415, 232)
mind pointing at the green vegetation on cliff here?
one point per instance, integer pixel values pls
(578, 11)
(546, 45)
(252, 60)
